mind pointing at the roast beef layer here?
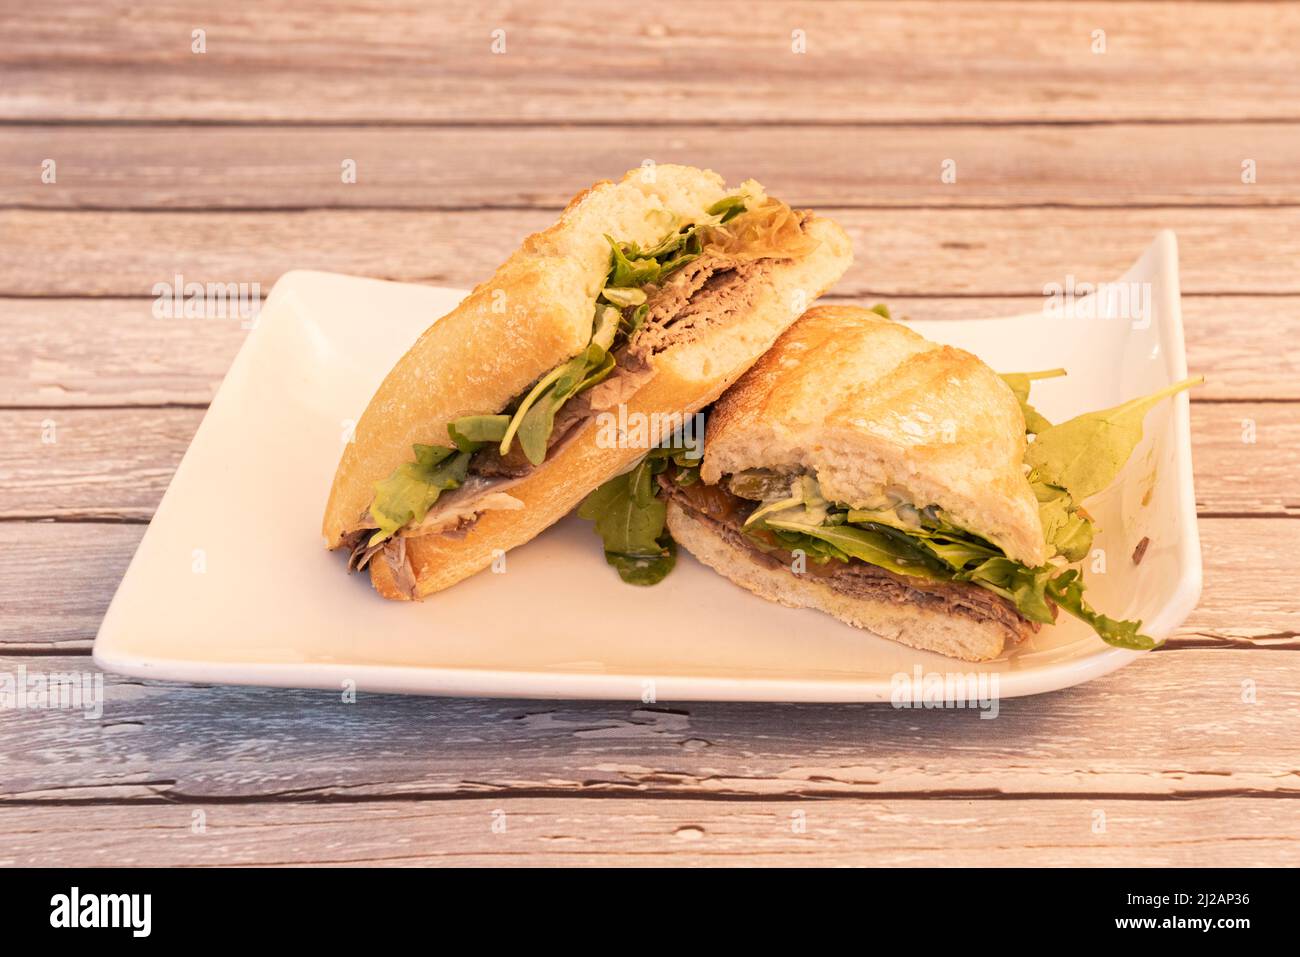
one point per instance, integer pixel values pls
(725, 514)
(709, 290)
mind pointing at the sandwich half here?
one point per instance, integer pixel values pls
(854, 419)
(649, 296)
(865, 471)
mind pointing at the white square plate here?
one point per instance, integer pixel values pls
(231, 583)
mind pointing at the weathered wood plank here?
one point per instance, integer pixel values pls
(369, 61)
(1124, 735)
(236, 167)
(56, 580)
(991, 252)
(110, 464)
(70, 352)
(87, 352)
(490, 831)
(1246, 457)
(116, 463)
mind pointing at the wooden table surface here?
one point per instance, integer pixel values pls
(224, 166)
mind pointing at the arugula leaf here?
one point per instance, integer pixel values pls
(881, 310)
(1023, 586)
(687, 461)
(629, 518)
(534, 418)
(628, 271)
(1085, 454)
(1019, 383)
(635, 267)
(956, 553)
(621, 308)
(632, 321)
(1066, 590)
(409, 493)
(470, 433)
(869, 546)
(642, 570)
(1065, 526)
(629, 515)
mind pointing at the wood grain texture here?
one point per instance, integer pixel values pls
(409, 61)
(94, 352)
(643, 832)
(990, 252)
(283, 167)
(76, 352)
(56, 579)
(116, 463)
(176, 743)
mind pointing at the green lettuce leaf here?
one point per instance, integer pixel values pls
(409, 493)
(1085, 454)
(1067, 591)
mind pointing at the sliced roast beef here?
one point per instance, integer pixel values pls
(710, 290)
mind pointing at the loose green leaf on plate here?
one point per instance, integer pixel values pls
(1067, 591)
(629, 519)
(1086, 454)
